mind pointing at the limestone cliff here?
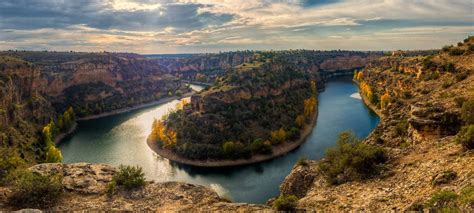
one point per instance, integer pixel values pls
(36, 86)
(418, 99)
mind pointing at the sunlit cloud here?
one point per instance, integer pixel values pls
(167, 26)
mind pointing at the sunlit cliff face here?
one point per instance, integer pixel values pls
(165, 26)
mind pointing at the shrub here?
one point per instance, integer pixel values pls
(261, 147)
(285, 203)
(459, 101)
(447, 84)
(442, 198)
(351, 160)
(467, 112)
(9, 161)
(456, 51)
(302, 161)
(446, 48)
(402, 127)
(471, 47)
(34, 190)
(467, 195)
(466, 136)
(130, 177)
(111, 187)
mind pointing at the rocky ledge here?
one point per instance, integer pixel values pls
(85, 187)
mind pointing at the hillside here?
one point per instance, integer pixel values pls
(426, 106)
(258, 110)
(37, 87)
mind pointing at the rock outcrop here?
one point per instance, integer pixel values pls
(85, 190)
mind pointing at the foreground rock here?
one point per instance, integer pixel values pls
(86, 190)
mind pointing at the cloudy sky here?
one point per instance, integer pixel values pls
(186, 26)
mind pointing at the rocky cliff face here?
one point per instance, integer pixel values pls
(35, 86)
(417, 98)
(85, 187)
(208, 67)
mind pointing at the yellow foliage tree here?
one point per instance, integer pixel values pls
(162, 134)
(181, 104)
(360, 75)
(309, 106)
(384, 100)
(367, 91)
(278, 136)
(314, 89)
(300, 121)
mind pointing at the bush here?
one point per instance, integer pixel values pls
(471, 47)
(467, 112)
(402, 127)
(34, 190)
(258, 146)
(456, 51)
(442, 198)
(302, 161)
(351, 160)
(459, 101)
(466, 136)
(285, 203)
(9, 161)
(467, 195)
(130, 177)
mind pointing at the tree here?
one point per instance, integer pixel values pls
(300, 121)
(314, 89)
(278, 136)
(53, 154)
(228, 147)
(309, 106)
(360, 75)
(160, 133)
(384, 100)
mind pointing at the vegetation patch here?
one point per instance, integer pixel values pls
(285, 203)
(351, 160)
(33, 190)
(130, 177)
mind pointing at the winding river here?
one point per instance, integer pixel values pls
(121, 139)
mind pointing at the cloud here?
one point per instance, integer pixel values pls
(153, 26)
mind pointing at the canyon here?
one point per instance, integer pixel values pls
(420, 99)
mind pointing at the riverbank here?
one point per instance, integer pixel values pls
(71, 131)
(62, 136)
(369, 104)
(277, 151)
(140, 106)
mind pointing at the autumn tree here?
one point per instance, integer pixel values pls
(52, 154)
(309, 106)
(160, 133)
(278, 136)
(314, 89)
(300, 121)
(367, 91)
(228, 147)
(384, 100)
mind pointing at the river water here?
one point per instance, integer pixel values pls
(121, 139)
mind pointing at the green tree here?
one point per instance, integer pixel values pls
(228, 147)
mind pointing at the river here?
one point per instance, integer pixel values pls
(121, 139)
